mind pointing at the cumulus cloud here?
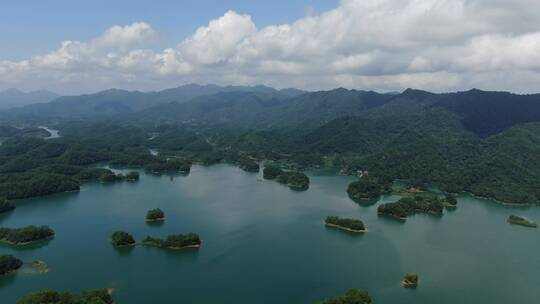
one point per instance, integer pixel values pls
(438, 45)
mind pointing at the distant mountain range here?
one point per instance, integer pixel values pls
(12, 98)
(115, 101)
(260, 107)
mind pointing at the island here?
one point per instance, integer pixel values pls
(174, 241)
(132, 176)
(248, 165)
(518, 220)
(49, 296)
(352, 225)
(410, 280)
(9, 264)
(121, 239)
(419, 203)
(5, 205)
(271, 172)
(170, 165)
(353, 296)
(26, 235)
(295, 180)
(366, 188)
(155, 215)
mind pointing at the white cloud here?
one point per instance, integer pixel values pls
(369, 44)
(126, 36)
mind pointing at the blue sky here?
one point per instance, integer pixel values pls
(74, 47)
(28, 27)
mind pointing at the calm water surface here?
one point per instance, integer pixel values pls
(263, 243)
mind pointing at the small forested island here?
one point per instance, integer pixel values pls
(366, 188)
(49, 296)
(347, 224)
(271, 172)
(132, 176)
(295, 180)
(248, 165)
(170, 165)
(9, 263)
(518, 220)
(174, 241)
(353, 296)
(121, 238)
(155, 215)
(26, 235)
(5, 205)
(419, 203)
(410, 280)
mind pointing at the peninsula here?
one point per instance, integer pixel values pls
(26, 235)
(518, 220)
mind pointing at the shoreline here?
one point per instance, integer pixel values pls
(393, 216)
(339, 173)
(162, 219)
(408, 284)
(26, 243)
(499, 202)
(124, 246)
(524, 222)
(345, 228)
(172, 248)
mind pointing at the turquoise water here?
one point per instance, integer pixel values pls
(263, 243)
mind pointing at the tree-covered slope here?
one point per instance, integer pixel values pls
(487, 113)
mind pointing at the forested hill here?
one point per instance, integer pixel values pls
(259, 107)
(487, 113)
(263, 111)
(12, 98)
(487, 143)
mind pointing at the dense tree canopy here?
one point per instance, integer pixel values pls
(353, 296)
(121, 238)
(155, 214)
(5, 205)
(174, 241)
(366, 188)
(25, 235)
(271, 172)
(347, 223)
(419, 203)
(49, 296)
(9, 263)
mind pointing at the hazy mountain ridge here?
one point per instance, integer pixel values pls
(12, 98)
(118, 102)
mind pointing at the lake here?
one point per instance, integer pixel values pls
(54, 133)
(264, 243)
